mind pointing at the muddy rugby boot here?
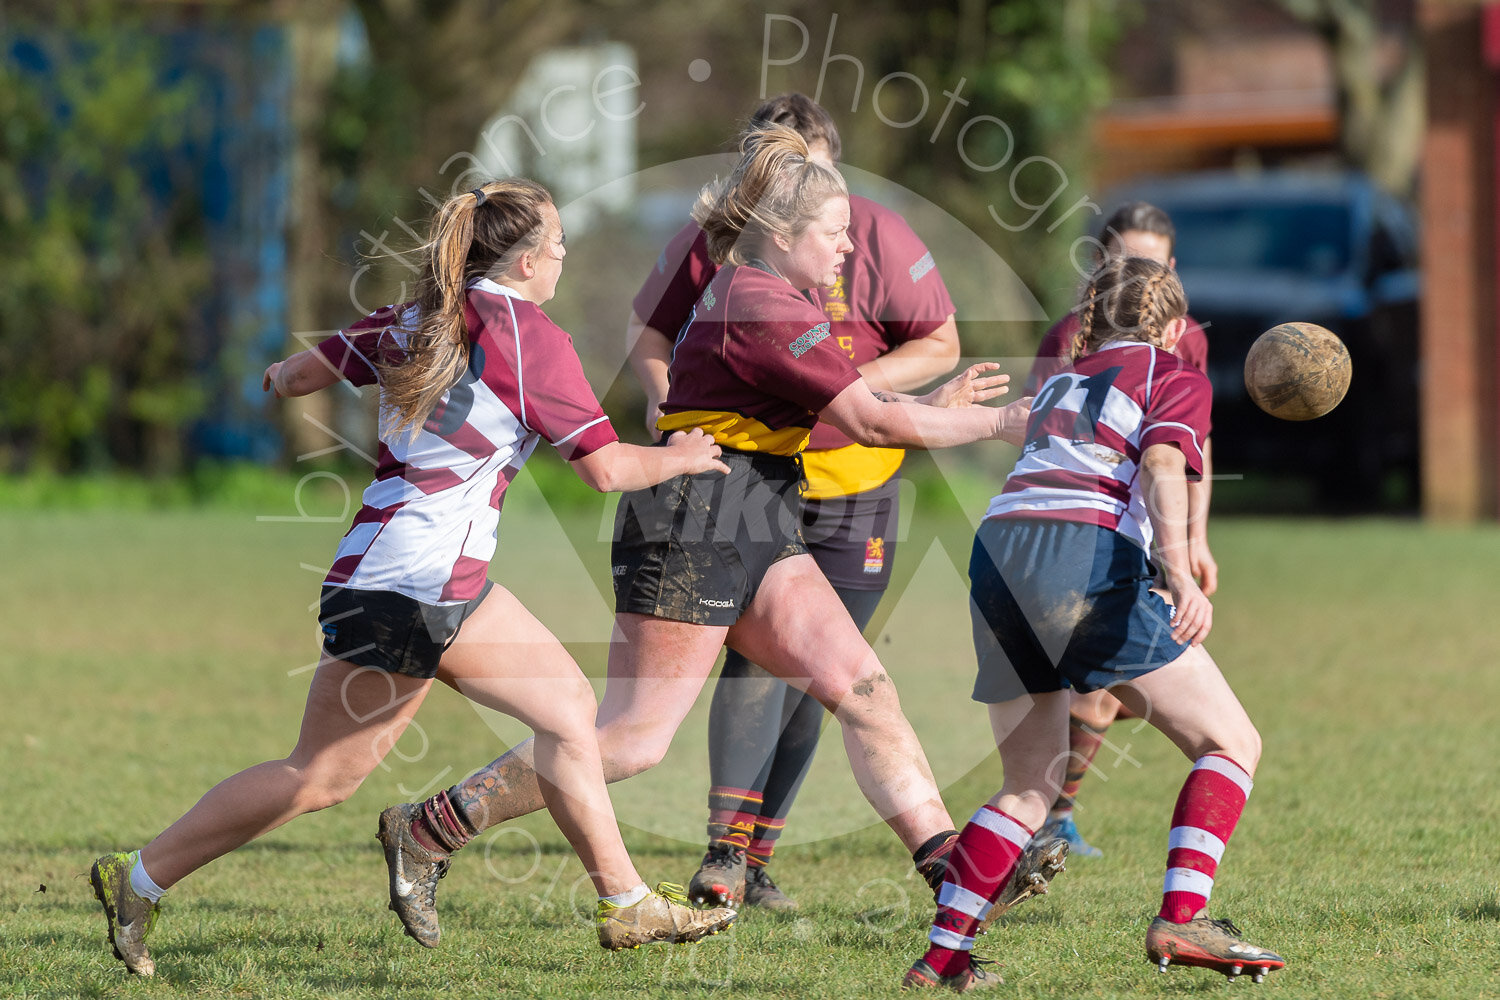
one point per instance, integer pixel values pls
(921, 976)
(1039, 864)
(1068, 830)
(1208, 944)
(414, 872)
(720, 879)
(130, 917)
(663, 915)
(762, 892)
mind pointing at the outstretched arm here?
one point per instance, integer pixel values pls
(299, 375)
(620, 467)
(894, 420)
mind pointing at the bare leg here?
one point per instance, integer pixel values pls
(1090, 716)
(506, 660)
(797, 629)
(354, 715)
(1189, 701)
(1097, 708)
(656, 669)
(1032, 735)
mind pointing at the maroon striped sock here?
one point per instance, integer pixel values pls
(1208, 807)
(981, 862)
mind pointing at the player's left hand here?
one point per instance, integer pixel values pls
(1192, 614)
(1205, 570)
(1014, 417)
(969, 387)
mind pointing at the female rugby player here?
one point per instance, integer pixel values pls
(472, 375)
(1061, 595)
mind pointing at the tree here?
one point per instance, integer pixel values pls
(1040, 68)
(1381, 114)
(101, 244)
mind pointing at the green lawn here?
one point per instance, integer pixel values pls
(148, 655)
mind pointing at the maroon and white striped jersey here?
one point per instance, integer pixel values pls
(1088, 428)
(429, 521)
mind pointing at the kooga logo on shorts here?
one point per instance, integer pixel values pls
(805, 343)
(715, 604)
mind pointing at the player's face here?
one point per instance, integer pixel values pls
(1139, 243)
(549, 256)
(814, 256)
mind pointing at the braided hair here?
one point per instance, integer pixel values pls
(1127, 298)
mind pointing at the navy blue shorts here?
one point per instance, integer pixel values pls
(1057, 604)
(390, 631)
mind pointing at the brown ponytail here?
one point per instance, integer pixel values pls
(480, 233)
(775, 190)
(1128, 298)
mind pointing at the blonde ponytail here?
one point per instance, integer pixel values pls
(480, 233)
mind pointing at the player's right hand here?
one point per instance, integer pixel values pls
(702, 453)
(268, 380)
(653, 414)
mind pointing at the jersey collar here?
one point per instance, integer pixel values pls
(1120, 343)
(493, 287)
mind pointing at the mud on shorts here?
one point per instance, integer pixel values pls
(390, 631)
(853, 537)
(695, 548)
(1057, 604)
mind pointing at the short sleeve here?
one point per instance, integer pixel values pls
(354, 352)
(808, 367)
(916, 300)
(679, 276)
(1179, 413)
(556, 399)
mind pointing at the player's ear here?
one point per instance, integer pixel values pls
(1173, 333)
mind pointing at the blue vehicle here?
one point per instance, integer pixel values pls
(1259, 249)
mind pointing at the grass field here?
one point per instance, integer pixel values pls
(149, 654)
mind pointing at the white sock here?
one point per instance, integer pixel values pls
(629, 897)
(142, 883)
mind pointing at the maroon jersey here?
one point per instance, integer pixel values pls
(1056, 350)
(429, 521)
(1089, 426)
(888, 292)
(754, 365)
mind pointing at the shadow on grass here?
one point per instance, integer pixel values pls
(1480, 912)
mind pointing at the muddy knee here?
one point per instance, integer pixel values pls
(869, 699)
